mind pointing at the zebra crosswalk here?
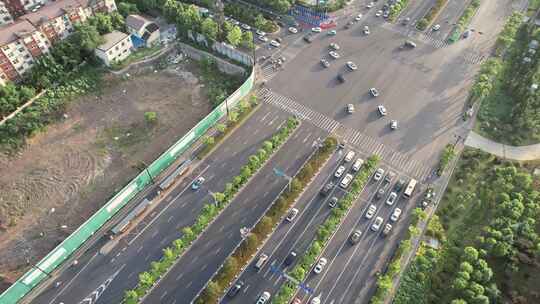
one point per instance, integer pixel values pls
(429, 37)
(363, 142)
(473, 57)
(268, 72)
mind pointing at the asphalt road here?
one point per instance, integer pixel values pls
(121, 261)
(291, 236)
(206, 255)
(350, 274)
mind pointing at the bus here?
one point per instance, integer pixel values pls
(410, 188)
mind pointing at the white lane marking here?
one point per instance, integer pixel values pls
(74, 277)
(154, 234)
(163, 295)
(140, 248)
(179, 276)
(170, 219)
(166, 207)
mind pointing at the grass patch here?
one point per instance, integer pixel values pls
(431, 14)
(136, 56)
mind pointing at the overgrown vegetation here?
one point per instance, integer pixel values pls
(447, 155)
(209, 212)
(507, 35)
(249, 16)
(423, 23)
(464, 20)
(508, 88)
(489, 236)
(396, 9)
(217, 287)
(324, 232)
(218, 84)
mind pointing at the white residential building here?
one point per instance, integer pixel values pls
(5, 14)
(116, 48)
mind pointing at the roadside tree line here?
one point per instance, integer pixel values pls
(325, 231)
(171, 254)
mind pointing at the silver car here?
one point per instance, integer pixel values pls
(371, 211)
(378, 174)
(377, 224)
(391, 199)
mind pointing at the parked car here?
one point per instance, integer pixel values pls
(391, 199)
(389, 177)
(292, 215)
(378, 174)
(399, 186)
(245, 27)
(357, 164)
(263, 298)
(260, 33)
(371, 211)
(350, 155)
(326, 189)
(293, 30)
(235, 289)
(262, 38)
(355, 237)
(387, 229)
(339, 171)
(378, 13)
(197, 183)
(382, 110)
(395, 215)
(320, 265)
(333, 202)
(380, 193)
(377, 224)
(274, 43)
(325, 63)
(346, 181)
(316, 29)
(370, 5)
(358, 18)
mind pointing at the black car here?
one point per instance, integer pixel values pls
(380, 194)
(326, 189)
(309, 38)
(341, 78)
(290, 259)
(399, 186)
(235, 289)
(278, 39)
(349, 25)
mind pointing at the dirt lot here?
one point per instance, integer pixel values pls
(68, 172)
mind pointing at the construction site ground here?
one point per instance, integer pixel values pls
(70, 170)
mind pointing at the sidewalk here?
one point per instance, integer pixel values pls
(520, 153)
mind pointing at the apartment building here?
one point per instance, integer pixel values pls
(117, 47)
(32, 34)
(5, 15)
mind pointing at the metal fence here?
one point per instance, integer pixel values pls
(40, 271)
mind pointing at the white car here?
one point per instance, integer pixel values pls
(346, 181)
(274, 43)
(332, 33)
(395, 215)
(377, 224)
(260, 33)
(370, 5)
(436, 27)
(245, 27)
(320, 265)
(378, 13)
(357, 18)
(339, 171)
(263, 298)
(293, 30)
(366, 30)
(316, 29)
(292, 215)
(334, 55)
(357, 164)
(374, 92)
(350, 108)
(391, 199)
(349, 156)
(378, 174)
(371, 211)
(382, 110)
(325, 63)
(393, 125)
(262, 38)
(334, 46)
(316, 300)
(352, 66)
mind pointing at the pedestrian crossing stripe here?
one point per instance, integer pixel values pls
(363, 142)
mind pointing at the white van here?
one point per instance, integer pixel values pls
(357, 164)
(346, 181)
(261, 261)
(349, 156)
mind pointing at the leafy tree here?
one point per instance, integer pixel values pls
(247, 40)
(102, 22)
(131, 297)
(259, 21)
(126, 8)
(458, 301)
(213, 290)
(209, 140)
(460, 283)
(209, 28)
(231, 266)
(86, 36)
(234, 36)
(470, 254)
(146, 279)
(221, 127)
(466, 267)
(264, 226)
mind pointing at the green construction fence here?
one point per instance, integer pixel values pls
(58, 255)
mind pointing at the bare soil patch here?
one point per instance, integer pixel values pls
(81, 161)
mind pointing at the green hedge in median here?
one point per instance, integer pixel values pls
(396, 9)
(464, 20)
(448, 154)
(325, 230)
(209, 212)
(431, 14)
(243, 254)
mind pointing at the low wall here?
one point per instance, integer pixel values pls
(223, 65)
